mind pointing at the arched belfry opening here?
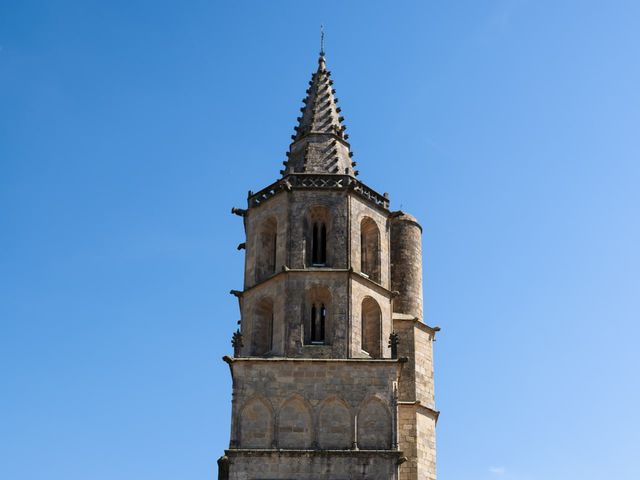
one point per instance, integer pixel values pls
(370, 249)
(371, 328)
(266, 245)
(317, 310)
(317, 233)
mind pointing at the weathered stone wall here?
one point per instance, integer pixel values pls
(426, 444)
(406, 348)
(416, 344)
(306, 465)
(416, 410)
(416, 439)
(305, 398)
(407, 434)
(423, 341)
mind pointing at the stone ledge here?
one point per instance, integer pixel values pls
(287, 271)
(390, 361)
(318, 453)
(319, 181)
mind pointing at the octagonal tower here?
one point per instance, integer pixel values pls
(332, 367)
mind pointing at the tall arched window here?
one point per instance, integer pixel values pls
(371, 328)
(317, 230)
(262, 334)
(370, 249)
(317, 323)
(266, 246)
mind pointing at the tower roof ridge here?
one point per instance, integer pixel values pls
(320, 142)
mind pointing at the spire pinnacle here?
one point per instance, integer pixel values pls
(320, 142)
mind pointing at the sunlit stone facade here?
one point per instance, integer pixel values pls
(332, 367)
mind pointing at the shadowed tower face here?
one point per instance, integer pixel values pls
(332, 367)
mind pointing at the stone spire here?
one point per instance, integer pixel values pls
(320, 142)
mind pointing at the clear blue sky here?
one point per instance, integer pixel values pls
(510, 128)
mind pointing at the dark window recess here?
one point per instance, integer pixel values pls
(319, 244)
(318, 321)
(274, 253)
(271, 332)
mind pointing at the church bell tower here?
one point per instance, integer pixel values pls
(332, 367)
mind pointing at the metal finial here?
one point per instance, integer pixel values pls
(322, 40)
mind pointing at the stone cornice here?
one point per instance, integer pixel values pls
(389, 361)
(320, 270)
(346, 453)
(320, 181)
(372, 284)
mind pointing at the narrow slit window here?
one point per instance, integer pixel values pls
(323, 317)
(318, 321)
(274, 253)
(271, 332)
(313, 323)
(319, 244)
(364, 255)
(314, 244)
(323, 244)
